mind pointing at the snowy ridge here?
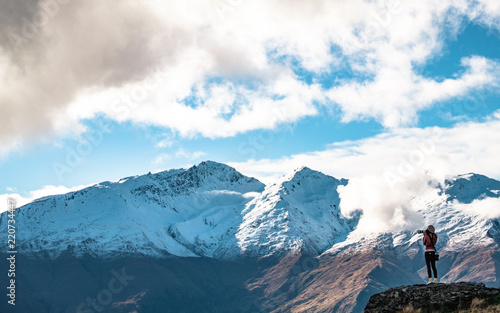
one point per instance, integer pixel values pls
(469, 187)
(214, 211)
(298, 212)
(458, 229)
(153, 214)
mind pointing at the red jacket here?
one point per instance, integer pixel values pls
(430, 241)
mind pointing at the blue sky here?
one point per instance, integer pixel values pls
(349, 88)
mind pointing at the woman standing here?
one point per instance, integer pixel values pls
(430, 239)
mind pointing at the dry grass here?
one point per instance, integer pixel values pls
(489, 309)
(409, 309)
(479, 306)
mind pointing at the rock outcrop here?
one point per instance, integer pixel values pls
(433, 298)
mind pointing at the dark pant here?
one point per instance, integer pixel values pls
(430, 261)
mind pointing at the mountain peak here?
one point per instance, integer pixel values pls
(207, 168)
(193, 175)
(304, 170)
(298, 212)
(309, 175)
(214, 165)
(466, 188)
(210, 171)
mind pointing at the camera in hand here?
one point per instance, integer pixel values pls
(420, 231)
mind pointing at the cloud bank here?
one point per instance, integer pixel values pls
(397, 153)
(387, 171)
(219, 68)
(487, 207)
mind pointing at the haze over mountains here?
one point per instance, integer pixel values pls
(209, 239)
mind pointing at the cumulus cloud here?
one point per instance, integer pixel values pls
(212, 68)
(398, 153)
(384, 206)
(396, 94)
(387, 171)
(487, 12)
(487, 207)
(50, 57)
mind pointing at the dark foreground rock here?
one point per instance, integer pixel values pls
(432, 298)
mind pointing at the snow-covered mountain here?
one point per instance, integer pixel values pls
(177, 212)
(298, 212)
(469, 237)
(454, 209)
(215, 240)
(214, 211)
(469, 187)
(208, 210)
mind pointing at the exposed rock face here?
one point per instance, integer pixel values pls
(431, 298)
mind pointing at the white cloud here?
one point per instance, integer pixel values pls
(35, 194)
(385, 207)
(160, 159)
(397, 154)
(487, 207)
(487, 12)
(165, 143)
(213, 69)
(386, 171)
(181, 153)
(396, 94)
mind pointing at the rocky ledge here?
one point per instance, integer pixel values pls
(433, 298)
